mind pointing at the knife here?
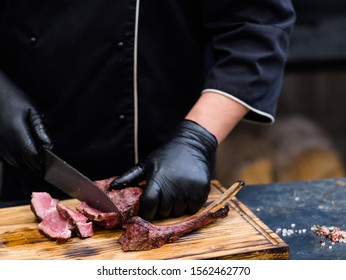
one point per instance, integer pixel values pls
(72, 182)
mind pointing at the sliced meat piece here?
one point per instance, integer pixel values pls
(53, 225)
(41, 202)
(107, 220)
(83, 228)
(104, 184)
(127, 200)
(140, 235)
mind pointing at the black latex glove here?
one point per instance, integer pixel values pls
(22, 132)
(177, 174)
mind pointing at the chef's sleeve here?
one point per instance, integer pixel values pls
(249, 41)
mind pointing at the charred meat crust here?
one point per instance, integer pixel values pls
(140, 235)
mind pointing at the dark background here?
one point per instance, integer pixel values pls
(312, 109)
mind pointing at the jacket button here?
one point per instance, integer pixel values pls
(33, 40)
(120, 45)
(121, 117)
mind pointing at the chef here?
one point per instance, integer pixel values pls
(143, 89)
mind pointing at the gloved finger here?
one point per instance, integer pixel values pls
(34, 163)
(39, 130)
(169, 197)
(20, 160)
(179, 208)
(19, 149)
(29, 155)
(42, 140)
(9, 159)
(165, 207)
(130, 178)
(194, 206)
(149, 201)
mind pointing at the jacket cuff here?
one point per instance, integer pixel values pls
(254, 115)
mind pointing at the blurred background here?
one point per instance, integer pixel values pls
(308, 139)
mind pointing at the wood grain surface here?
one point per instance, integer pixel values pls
(241, 235)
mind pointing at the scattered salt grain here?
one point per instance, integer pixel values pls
(290, 231)
(297, 198)
(330, 247)
(323, 243)
(340, 183)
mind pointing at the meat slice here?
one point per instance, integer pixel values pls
(104, 184)
(106, 220)
(41, 202)
(52, 224)
(140, 235)
(83, 228)
(127, 201)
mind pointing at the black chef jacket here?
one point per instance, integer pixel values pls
(113, 78)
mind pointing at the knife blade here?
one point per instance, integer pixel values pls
(66, 178)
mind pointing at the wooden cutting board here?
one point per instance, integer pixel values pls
(241, 235)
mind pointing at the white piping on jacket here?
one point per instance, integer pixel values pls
(135, 86)
(270, 117)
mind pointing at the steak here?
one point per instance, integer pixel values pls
(83, 228)
(139, 234)
(99, 218)
(52, 224)
(57, 221)
(127, 201)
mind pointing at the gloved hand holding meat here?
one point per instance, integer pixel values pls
(177, 173)
(22, 132)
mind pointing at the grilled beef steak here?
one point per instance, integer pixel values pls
(58, 222)
(107, 220)
(52, 223)
(127, 201)
(140, 235)
(83, 228)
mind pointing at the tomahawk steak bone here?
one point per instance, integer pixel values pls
(140, 235)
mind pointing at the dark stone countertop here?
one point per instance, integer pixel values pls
(307, 203)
